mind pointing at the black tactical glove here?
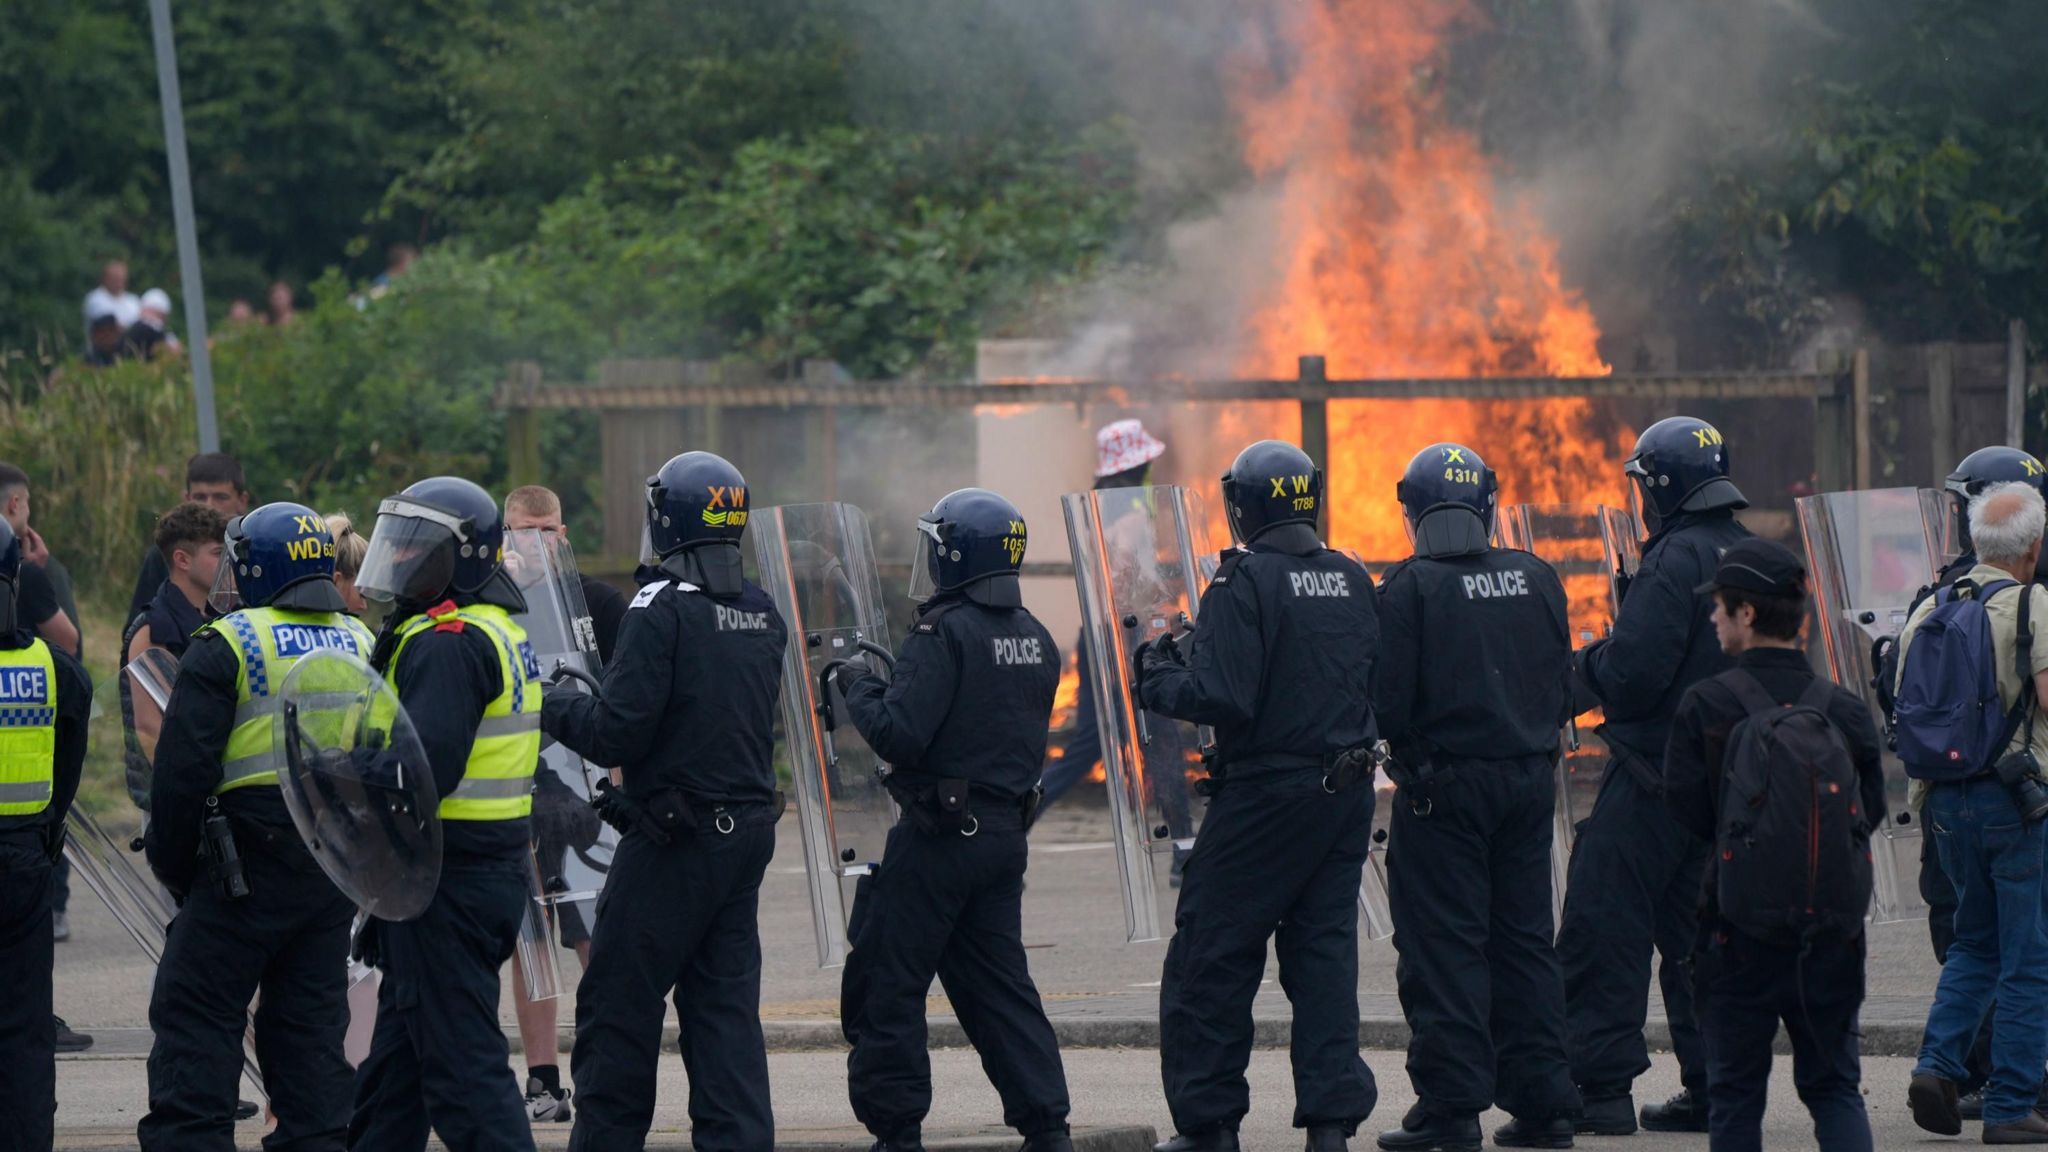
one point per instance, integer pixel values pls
(367, 947)
(624, 813)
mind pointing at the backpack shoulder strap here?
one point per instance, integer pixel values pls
(1818, 695)
(1749, 691)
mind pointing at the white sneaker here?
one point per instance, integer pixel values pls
(544, 1106)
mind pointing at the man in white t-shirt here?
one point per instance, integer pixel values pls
(112, 298)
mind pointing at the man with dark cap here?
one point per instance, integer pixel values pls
(1755, 966)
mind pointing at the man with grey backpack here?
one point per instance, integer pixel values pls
(1970, 681)
(1781, 771)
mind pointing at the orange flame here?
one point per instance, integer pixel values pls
(1397, 256)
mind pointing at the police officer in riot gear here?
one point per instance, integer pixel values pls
(1635, 872)
(962, 720)
(45, 701)
(466, 676)
(1281, 666)
(687, 712)
(269, 920)
(1474, 683)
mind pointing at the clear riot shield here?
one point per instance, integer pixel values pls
(1867, 555)
(139, 904)
(817, 562)
(572, 848)
(1138, 574)
(358, 785)
(145, 693)
(1375, 899)
(1593, 548)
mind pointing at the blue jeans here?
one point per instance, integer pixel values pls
(2001, 945)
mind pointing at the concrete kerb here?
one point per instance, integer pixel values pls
(1880, 1038)
(1390, 1035)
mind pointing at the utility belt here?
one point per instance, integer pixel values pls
(1341, 771)
(670, 814)
(941, 805)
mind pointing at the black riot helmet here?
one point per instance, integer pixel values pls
(10, 577)
(1447, 497)
(436, 539)
(1680, 465)
(971, 542)
(696, 498)
(1980, 470)
(1271, 483)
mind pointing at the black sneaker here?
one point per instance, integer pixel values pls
(1970, 1107)
(246, 1109)
(1685, 1112)
(544, 1106)
(69, 1041)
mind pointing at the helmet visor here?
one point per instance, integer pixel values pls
(411, 556)
(225, 597)
(648, 556)
(924, 582)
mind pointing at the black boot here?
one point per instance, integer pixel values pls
(908, 1140)
(1058, 1141)
(1611, 1114)
(1685, 1112)
(1213, 1140)
(1554, 1132)
(1328, 1138)
(1424, 1131)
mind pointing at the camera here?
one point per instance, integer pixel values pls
(2021, 775)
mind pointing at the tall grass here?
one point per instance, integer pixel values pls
(105, 451)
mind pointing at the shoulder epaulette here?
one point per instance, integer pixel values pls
(1226, 563)
(444, 617)
(928, 624)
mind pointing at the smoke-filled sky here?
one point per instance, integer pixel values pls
(1602, 117)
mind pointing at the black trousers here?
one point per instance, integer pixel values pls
(1277, 859)
(288, 940)
(1634, 888)
(438, 1056)
(1746, 987)
(1469, 883)
(677, 918)
(28, 1036)
(949, 905)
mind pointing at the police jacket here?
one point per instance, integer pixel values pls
(1709, 712)
(1663, 642)
(207, 749)
(689, 698)
(1282, 659)
(1475, 657)
(23, 688)
(969, 698)
(445, 678)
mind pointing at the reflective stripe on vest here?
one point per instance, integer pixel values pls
(267, 642)
(28, 729)
(497, 780)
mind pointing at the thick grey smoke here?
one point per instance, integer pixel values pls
(1605, 115)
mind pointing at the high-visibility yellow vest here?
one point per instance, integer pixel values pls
(497, 781)
(267, 642)
(28, 728)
